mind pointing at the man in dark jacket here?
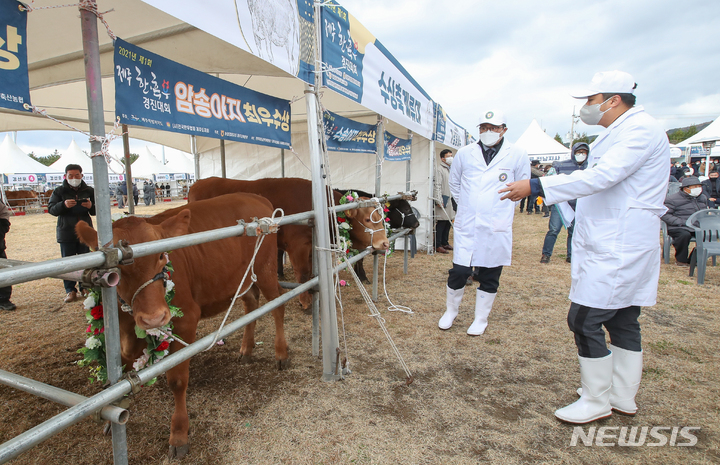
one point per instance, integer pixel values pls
(680, 206)
(72, 202)
(578, 161)
(711, 188)
(5, 292)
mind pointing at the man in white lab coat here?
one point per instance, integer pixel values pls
(616, 251)
(483, 224)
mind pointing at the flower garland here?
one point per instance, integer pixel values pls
(157, 339)
(344, 225)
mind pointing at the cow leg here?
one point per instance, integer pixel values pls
(360, 271)
(281, 271)
(178, 378)
(301, 259)
(271, 291)
(250, 301)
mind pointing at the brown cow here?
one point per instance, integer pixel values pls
(45, 197)
(21, 199)
(294, 195)
(206, 278)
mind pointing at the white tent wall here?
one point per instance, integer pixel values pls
(348, 170)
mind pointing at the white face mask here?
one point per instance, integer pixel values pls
(74, 182)
(448, 160)
(695, 191)
(580, 158)
(490, 138)
(591, 114)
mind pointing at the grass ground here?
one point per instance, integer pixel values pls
(489, 398)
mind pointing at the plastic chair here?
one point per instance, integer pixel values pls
(706, 224)
(667, 242)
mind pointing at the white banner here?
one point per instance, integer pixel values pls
(22, 178)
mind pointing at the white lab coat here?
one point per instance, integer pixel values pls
(483, 223)
(616, 251)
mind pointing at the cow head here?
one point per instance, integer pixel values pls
(149, 308)
(368, 228)
(401, 215)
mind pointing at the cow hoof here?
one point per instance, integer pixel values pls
(246, 359)
(177, 453)
(283, 364)
(366, 281)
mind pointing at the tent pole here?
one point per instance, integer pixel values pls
(380, 148)
(282, 162)
(222, 158)
(128, 170)
(93, 80)
(196, 156)
(406, 238)
(430, 236)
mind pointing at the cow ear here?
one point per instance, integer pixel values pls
(86, 234)
(351, 213)
(176, 225)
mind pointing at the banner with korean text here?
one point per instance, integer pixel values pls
(155, 92)
(363, 70)
(14, 82)
(446, 131)
(397, 149)
(345, 135)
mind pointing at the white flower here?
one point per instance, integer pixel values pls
(156, 332)
(89, 302)
(92, 343)
(141, 361)
(169, 285)
(345, 226)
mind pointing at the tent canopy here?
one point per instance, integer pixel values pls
(540, 146)
(73, 155)
(146, 165)
(709, 134)
(14, 161)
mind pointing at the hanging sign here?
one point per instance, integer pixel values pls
(446, 131)
(25, 178)
(155, 92)
(14, 82)
(397, 149)
(345, 135)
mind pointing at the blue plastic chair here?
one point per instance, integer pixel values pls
(706, 224)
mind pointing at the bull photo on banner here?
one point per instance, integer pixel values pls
(345, 135)
(14, 81)
(397, 149)
(155, 92)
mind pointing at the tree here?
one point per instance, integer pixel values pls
(133, 157)
(558, 138)
(584, 138)
(46, 160)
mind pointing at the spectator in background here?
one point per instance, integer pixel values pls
(680, 206)
(443, 207)
(119, 196)
(136, 194)
(167, 190)
(72, 202)
(711, 188)
(5, 292)
(535, 173)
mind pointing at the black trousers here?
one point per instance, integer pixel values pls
(681, 242)
(489, 278)
(5, 292)
(68, 249)
(587, 324)
(442, 233)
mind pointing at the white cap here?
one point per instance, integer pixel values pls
(608, 82)
(495, 118)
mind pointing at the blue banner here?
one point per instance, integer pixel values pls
(155, 92)
(346, 135)
(397, 149)
(14, 83)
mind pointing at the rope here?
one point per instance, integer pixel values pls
(393, 307)
(87, 5)
(299, 159)
(250, 270)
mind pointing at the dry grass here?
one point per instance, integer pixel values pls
(489, 398)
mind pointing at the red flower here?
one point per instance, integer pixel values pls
(386, 209)
(341, 220)
(88, 329)
(97, 312)
(387, 219)
(163, 346)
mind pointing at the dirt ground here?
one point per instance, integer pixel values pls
(483, 399)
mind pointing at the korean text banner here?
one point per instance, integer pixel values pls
(280, 32)
(155, 92)
(361, 69)
(397, 149)
(446, 131)
(345, 135)
(14, 83)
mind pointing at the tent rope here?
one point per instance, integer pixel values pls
(87, 5)
(393, 307)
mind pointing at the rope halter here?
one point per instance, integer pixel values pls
(164, 275)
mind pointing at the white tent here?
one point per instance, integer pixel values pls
(146, 165)
(73, 155)
(14, 161)
(540, 146)
(709, 134)
(176, 162)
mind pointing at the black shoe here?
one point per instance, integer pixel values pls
(545, 259)
(546, 215)
(521, 210)
(567, 260)
(7, 306)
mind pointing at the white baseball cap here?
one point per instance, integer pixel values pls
(495, 118)
(608, 82)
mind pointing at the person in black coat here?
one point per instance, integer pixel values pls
(711, 189)
(72, 202)
(5, 292)
(680, 206)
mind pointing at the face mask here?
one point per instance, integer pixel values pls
(591, 114)
(448, 160)
(490, 138)
(580, 157)
(695, 191)
(74, 182)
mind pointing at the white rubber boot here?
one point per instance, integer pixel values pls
(596, 376)
(483, 305)
(454, 297)
(627, 372)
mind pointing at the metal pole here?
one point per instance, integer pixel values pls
(128, 170)
(93, 82)
(222, 159)
(380, 149)
(407, 189)
(196, 156)
(282, 162)
(315, 302)
(429, 235)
